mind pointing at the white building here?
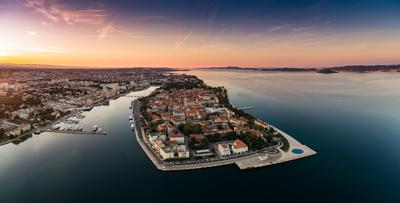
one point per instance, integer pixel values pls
(157, 136)
(183, 152)
(224, 150)
(157, 145)
(239, 147)
(167, 152)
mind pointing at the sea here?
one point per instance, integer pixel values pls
(352, 120)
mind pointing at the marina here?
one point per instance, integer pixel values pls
(72, 132)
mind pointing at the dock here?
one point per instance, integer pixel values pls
(75, 132)
(246, 108)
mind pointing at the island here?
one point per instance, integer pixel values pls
(186, 124)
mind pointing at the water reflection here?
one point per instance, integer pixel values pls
(351, 120)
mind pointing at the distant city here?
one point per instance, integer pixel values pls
(33, 100)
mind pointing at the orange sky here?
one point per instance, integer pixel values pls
(97, 38)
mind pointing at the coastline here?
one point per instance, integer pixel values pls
(248, 161)
(45, 128)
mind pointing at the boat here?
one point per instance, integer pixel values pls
(133, 126)
(130, 117)
(94, 128)
(130, 107)
(36, 132)
(87, 108)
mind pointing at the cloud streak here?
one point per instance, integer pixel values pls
(108, 29)
(58, 12)
(179, 43)
(327, 39)
(265, 32)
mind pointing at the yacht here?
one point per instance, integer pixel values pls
(87, 108)
(94, 128)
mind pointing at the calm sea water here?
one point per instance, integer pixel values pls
(351, 120)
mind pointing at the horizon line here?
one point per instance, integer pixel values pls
(54, 66)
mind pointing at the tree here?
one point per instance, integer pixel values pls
(2, 133)
(271, 130)
(251, 123)
(253, 141)
(190, 128)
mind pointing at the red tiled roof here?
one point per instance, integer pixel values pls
(238, 144)
(197, 136)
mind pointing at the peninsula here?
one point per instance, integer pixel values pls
(186, 124)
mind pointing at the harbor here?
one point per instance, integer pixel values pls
(74, 132)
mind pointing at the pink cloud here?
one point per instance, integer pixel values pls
(56, 12)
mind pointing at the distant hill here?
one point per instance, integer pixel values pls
(262, 69)
(363, 69)
(329, 70)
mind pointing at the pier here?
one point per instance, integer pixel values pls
(75, 132)
(246, 108)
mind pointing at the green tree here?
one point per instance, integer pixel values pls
(251, 123)
(2, 133)
(190, 128)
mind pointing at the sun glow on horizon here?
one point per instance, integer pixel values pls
(92, 34)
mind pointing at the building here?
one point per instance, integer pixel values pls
(197, 137)
(183, 152)
(167, 152)
(224, 150)
(157, 145)
(157, 136)
(179, 138)
(23, 128)
(239, 147)
(235, 122)
(261, 123)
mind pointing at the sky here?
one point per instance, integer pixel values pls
(200, 33)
